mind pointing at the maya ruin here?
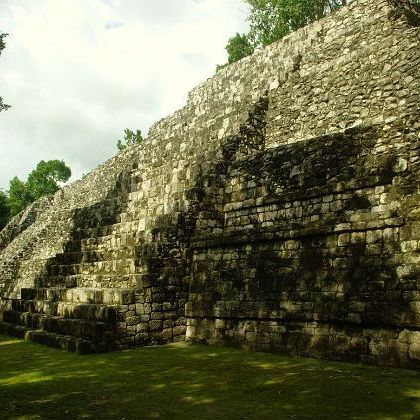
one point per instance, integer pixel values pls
(278, 211)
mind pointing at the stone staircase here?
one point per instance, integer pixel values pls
(82, 320)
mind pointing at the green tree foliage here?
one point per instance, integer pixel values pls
(271, 20)
(3, 106)
(130, 138)
(42, 181)
(19, 196)
(239, 47)
(4, 209)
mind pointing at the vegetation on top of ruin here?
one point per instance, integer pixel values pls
(130, 138)
(271, 20)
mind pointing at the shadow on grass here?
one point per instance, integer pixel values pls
(193, 381)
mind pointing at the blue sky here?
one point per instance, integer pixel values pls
(78, 72)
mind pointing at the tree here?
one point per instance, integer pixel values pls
(4, 209)
(271, 20)
(2, 43)
(19, 196)
(239, 47)
(42, 181)
(130, 138)
(3, 106)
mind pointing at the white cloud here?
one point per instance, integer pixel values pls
(78, 72)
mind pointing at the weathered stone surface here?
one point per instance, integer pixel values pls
(278, 210)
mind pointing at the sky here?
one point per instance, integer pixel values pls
(78, 72)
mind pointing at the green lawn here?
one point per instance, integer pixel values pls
(182, 381)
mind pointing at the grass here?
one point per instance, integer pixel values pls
(182, 381)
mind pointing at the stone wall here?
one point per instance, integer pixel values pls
(278, 210)
(318, 256)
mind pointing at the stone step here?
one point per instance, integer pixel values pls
(94, 331)
(102, 267)
(117, 239)
(58, 341)
(88, 311)
(65, 282)
(81, 295)
(103, 232)
(92, 281)
(95, 254)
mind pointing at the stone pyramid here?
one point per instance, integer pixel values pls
(279, 210)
